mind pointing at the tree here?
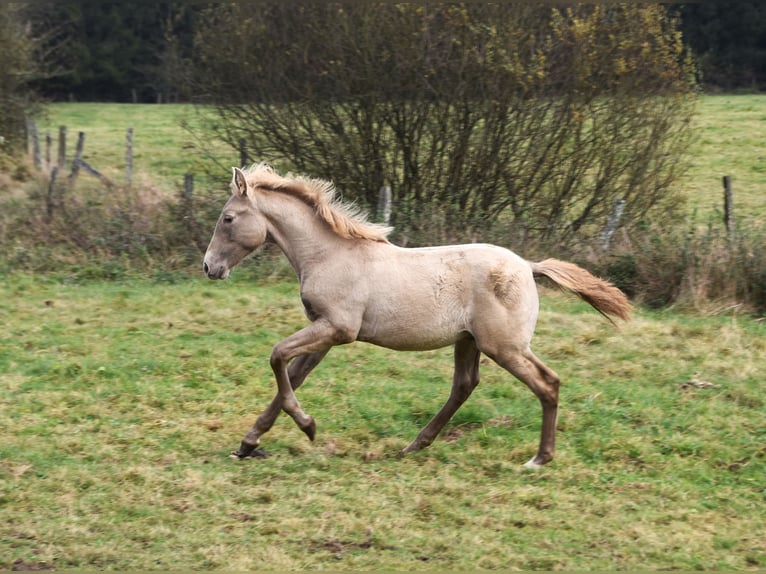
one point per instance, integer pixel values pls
(115, 51)
(535, 115)
(729, 41)
(18, 67)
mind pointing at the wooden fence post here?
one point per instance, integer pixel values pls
(728, 205)
(49, 197)
(35, 143)
(242, 153)
(77, 157)
(129, 156)
(188, 191)
(187, 206)
(62, 147)
(94, 172)
(48, 144)
(612, 223)
(384, 204)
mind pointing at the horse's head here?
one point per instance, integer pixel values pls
(240, 230)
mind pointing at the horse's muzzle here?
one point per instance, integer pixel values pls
(219, 272)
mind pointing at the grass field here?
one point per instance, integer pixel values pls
(164, 144)
(119, 403)
(729, 141)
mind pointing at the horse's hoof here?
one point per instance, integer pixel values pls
(254, 453)
(537, 462)
(310, 429)
(414, 446)
(244, 451)
(410, 449)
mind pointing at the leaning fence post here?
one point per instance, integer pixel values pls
(728, 205)
(384, 204)
(129, 156)
(77, 157)
(612, 223)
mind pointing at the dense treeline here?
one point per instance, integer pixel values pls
(729, 42)
(114, 51)
(126, 51)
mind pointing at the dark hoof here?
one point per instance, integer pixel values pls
(249, 451)
(414, 447)
(310, 429)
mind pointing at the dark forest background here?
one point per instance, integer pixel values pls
(141, 51)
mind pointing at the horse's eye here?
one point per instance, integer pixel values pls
(228, 218)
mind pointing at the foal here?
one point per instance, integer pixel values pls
(356, 286)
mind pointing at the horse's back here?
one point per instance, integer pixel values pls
(426, 298)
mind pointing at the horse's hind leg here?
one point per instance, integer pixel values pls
(545, 384)
(464, 381)
(297, 372)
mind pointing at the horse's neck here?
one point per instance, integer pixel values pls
(300, 234)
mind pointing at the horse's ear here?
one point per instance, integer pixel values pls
(238, 181)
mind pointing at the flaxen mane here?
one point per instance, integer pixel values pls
(344, 219)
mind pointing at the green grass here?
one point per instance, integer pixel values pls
(119, 403)
(164, 148)
(729, 141)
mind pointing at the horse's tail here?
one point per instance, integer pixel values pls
(599, 293)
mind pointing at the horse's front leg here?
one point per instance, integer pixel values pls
(298, 370)
(308, 347)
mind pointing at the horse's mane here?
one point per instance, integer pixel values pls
(345, 219)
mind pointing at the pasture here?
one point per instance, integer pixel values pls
(121, 402)
(729, 141)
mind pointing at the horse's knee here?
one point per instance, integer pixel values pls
(552, 390)
(548, 397)
(552, 379)
(547, 382)
(546, 391)
(278, 358)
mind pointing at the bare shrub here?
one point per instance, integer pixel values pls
(533, 115)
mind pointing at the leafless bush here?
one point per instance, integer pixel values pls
(529, 114)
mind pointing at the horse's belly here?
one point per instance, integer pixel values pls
(413, 333)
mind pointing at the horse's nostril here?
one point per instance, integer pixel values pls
(205, 268)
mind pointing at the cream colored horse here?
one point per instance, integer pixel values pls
(356, 286)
